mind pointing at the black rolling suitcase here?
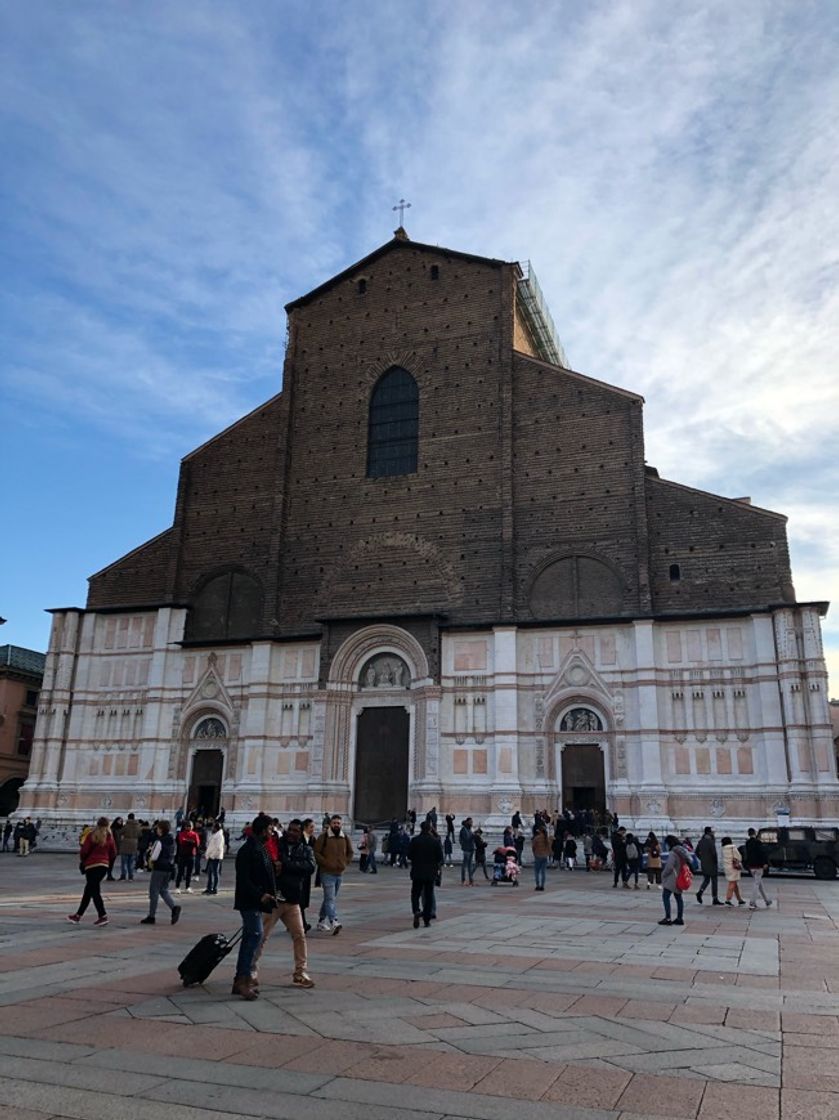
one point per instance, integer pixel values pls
(205, 956)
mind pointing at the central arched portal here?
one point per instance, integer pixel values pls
(381, 765)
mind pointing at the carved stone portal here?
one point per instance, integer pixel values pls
(385, 670)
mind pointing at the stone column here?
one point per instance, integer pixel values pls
(505, 784)
(645, 768)
(770, 714)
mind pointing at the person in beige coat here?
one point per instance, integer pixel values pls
(732, 867)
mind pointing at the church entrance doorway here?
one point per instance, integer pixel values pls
(583, 777)
(205, 783)
(381, 765)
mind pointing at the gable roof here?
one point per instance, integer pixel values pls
(399, 239)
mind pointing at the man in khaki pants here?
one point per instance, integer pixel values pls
(293, 864)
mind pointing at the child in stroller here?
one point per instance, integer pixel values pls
(505, 866)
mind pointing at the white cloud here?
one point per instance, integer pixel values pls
(181, 172)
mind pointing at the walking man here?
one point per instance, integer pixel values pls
(757, 861)
(467, 848)
(256, 891)
(294, 863)
(333, 853)
(426, 855)
(706, 853)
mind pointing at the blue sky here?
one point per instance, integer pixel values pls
(173, 174)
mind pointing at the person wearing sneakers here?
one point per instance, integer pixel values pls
(757, 862)
(294, 864)
(162, 863)
(98, 850)
(255, 896)
(676, 856)
(333, 853)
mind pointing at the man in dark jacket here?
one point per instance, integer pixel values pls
(255, 895)
(426, 856)
(706, 853)
(294, 865)
(128, 840)
(619, 859)
(467, 848)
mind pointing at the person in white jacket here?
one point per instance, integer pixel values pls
(215, 854)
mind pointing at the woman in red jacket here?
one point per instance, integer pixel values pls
(97, 854)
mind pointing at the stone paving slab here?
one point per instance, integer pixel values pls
(574, 1003)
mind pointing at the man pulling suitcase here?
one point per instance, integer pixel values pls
(256, 894)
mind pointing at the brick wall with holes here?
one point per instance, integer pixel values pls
(422, 542)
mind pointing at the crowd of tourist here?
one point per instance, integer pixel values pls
(277, 866)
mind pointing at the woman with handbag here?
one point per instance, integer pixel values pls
(732, 867)
(675, 880)
(97, 855)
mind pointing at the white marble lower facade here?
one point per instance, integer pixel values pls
(720, 720)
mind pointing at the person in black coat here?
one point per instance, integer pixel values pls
(426, 856)
(255, 895)
(706, 853)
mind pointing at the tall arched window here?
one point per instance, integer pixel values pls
(393, 425)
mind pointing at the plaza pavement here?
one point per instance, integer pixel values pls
(568, 1005)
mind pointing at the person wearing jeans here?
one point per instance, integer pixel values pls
(333, 853)
(676, 858)
(467, 848)
(215, 854)
(256, 891)
(540, 845)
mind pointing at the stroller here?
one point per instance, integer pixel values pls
(505, 866)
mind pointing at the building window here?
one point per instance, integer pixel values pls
(435, 272)
(362, 287)
(227, 606)
(31, 698)
(393, 426)
(26, 734)
(675, 573)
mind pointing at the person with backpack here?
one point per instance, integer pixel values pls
(676, 878)
(633, 858)
(653, 849)
(162, 864)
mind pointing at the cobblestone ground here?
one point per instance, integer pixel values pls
(569, 1004)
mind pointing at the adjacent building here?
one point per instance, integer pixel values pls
(436, 569)
(21, 673)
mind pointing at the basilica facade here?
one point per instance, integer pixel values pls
(436, 569)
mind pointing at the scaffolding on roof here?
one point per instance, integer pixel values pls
(535, 310)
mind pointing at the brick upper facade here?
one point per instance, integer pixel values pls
(531, 499)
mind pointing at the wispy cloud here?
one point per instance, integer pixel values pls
(179, 172)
